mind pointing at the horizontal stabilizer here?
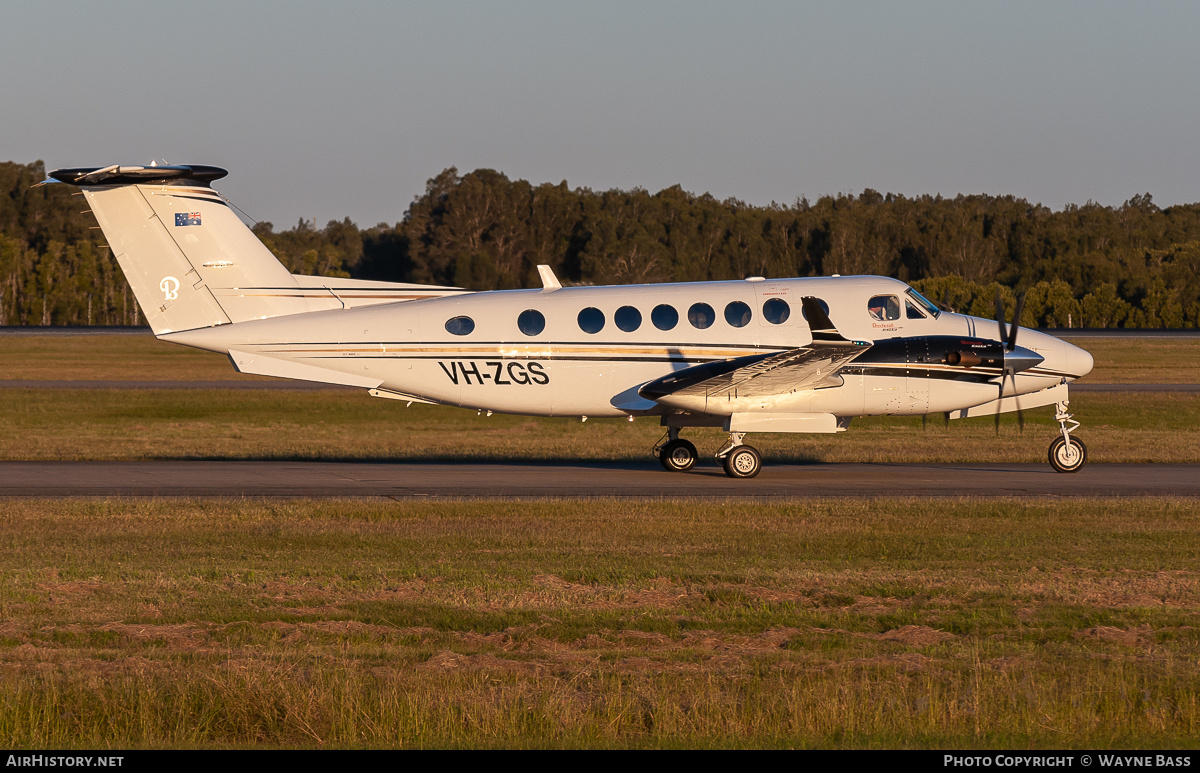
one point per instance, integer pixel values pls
(137, 175)
(321, 293)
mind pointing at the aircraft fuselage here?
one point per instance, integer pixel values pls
(585, 351)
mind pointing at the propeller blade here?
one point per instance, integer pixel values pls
(1010, 345)
(1000, 316)
(1016, 323)
(1003, 377)
(946, 420)
(1017, 397)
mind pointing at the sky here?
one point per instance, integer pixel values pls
(325, 111)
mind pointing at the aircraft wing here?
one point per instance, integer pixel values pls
(763, 375)
(760, 375)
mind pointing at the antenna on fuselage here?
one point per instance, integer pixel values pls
(550, 282)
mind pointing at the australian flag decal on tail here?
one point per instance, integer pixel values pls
(187, 218)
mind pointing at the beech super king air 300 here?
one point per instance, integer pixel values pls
(754, 355)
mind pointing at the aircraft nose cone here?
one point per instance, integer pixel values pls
(1079, 361)
(1020, 359)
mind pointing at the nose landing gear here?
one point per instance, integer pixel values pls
(1067, 454)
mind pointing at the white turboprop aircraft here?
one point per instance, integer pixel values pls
(754, 355)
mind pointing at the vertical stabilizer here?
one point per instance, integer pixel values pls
(186, 254)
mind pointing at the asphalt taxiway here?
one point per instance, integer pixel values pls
(573, 479)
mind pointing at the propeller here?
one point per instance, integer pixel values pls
(1016, 363)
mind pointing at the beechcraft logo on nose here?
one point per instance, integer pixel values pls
(187, 218)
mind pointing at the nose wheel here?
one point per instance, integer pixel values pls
(1067, 454)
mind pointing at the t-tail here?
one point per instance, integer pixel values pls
(191, 261)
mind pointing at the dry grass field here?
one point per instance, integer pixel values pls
(110, 357)
(1120, 360)
(882, 624)
(583, 624)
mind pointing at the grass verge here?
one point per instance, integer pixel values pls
(224, 424)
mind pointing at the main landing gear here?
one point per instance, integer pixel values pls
(1067, 454)
(739, 461)
(675, 455)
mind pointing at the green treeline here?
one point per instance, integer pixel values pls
(55, 268)
(1087, 266)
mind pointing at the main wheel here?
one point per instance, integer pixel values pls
(677, 456)
(1067, 458)
(742, 462)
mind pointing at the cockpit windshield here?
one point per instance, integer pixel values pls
(924, 303)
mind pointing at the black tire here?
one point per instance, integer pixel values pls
(1064, 459)
(677, 456)
(742, 462)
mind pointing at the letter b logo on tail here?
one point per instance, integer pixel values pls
(170, 287)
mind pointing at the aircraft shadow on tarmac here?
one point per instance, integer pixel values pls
(705, 465)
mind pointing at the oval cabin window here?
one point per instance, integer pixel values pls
(701, 315)
(737, 314)
(776, 311)
(628, 318)
(664, 317)
(591, 320)
(531, 322)
(460, 326)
